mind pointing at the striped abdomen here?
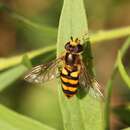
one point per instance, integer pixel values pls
(70, 81)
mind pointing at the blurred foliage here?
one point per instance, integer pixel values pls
(33, 25)
(123, 113)
(118, 66)
(11, 120)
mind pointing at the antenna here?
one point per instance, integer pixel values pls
(71, 38)
(76, 40)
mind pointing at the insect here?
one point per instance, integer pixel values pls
(73, 73)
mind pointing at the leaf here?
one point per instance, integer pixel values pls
(110, 82)
(26, 62)
(127, 128)
(12, 61)
(36, 26)
(11, 75)
(122, 70)
(2, 7)
(10, 120)
(103, 35)
(77, 114)
(123, 113)
(46, 31)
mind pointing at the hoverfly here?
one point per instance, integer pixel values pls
(73, 72)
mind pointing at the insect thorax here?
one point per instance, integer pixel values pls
(71, 59)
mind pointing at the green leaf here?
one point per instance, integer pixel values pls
(12, 61)
(123, 114)
(11, 75)
(103, 35)
(26, 61)
(2, 7)
(109, 85)
(127, 128)
(85, 114)
(10, 120)
(122, 70)
(45, 30)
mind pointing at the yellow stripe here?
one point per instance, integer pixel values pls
(69, 67)
(64, 71)
(64, 79)
(71, 81)
(75, 74)
(69, 88)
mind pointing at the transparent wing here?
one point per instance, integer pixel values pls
(44, 72)
(96, 89)
(89, 83)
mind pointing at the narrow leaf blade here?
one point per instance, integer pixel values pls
(77, 114)
(11, 75)
(110, 82)
(122, 71)
(127, 128)
(123, 113)
(10, 120)
(12, 61)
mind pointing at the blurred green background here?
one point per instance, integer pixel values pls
(41, 103)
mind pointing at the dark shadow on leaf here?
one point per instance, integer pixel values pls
(82, 92)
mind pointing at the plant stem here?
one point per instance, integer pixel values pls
(108, 99)
(110, 35)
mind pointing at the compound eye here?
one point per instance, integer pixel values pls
(79, 48)
(68, 46)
